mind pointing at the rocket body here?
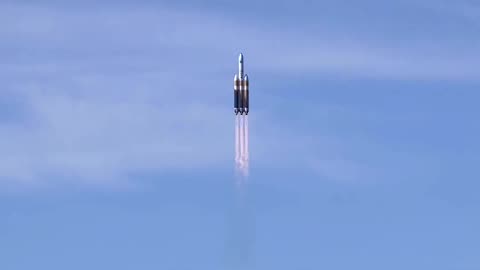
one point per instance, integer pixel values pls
(246, 98)
(236, 94)
(241, 90)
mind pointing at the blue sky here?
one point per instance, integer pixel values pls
(116, 135)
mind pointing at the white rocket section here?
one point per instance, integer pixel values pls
(240, 66)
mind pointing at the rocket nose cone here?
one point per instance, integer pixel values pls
(240, 58)
(245, 77)
(235, 77)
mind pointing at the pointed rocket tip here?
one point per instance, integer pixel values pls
(245, 77)
(240, 57)
(235, 77)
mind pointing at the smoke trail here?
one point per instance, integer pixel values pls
(241, 233)
(240, 239)
(239, 243)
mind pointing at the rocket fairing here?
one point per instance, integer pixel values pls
(240, 90)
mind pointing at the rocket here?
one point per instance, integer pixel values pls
(240, 90)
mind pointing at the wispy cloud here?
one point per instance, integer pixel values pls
(104, 93)
(180, 38)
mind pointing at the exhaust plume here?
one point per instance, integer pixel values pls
(241, 146)
(241, 230)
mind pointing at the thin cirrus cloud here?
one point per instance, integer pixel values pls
(103, 93)
(172, 33)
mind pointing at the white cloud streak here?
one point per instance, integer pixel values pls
(146, 33)
(109, 92)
